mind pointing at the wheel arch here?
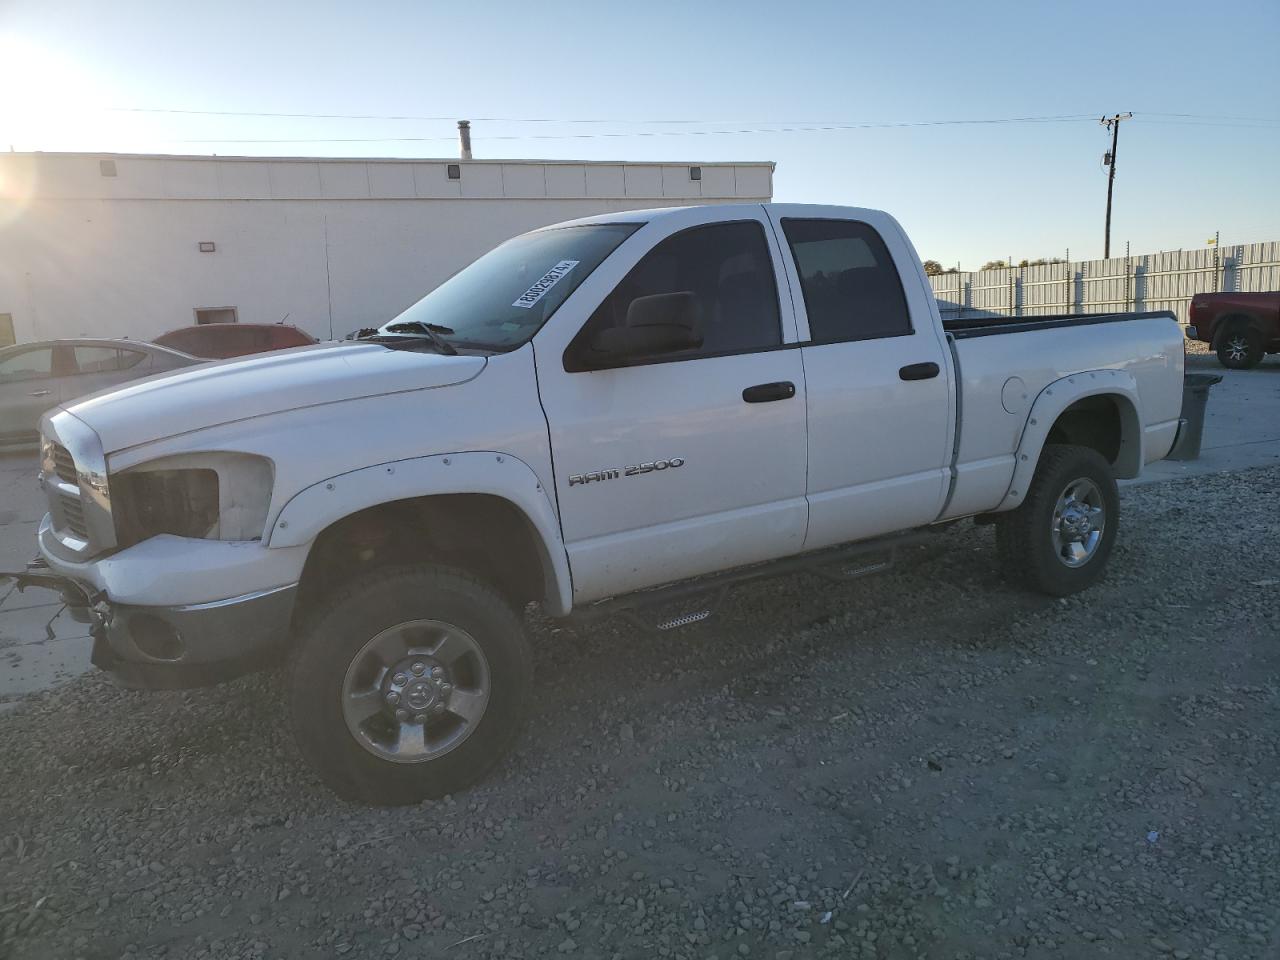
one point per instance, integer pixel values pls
(484, 509)
(1099, 409)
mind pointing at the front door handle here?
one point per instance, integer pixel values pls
(40, 393)
(768, 392)
(919, 371)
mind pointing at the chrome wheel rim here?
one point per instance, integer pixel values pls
(1237, 348)
(1079, 522)
(416, 691)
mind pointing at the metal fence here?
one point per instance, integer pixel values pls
(1150, 281)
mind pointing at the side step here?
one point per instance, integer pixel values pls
(706, 594)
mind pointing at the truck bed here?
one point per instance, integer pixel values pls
(964, 328)
(999, 379)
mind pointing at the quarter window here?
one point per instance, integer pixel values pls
(728, 269)
(851, 287)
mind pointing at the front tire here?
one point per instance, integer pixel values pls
(1058, 541)
(409, 684)
(1240, 348)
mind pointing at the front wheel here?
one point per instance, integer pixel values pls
(1059, 539)
(1240, 348)
(409, 684)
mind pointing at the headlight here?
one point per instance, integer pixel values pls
(214, 496)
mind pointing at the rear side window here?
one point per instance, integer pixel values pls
(728, 269)
(105, 359)
(851, 287)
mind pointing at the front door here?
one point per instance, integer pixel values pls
(684, 463)
(880, 395)
(27, 390)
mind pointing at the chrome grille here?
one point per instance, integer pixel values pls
(73, 472)
(63, 465)
(73, 515)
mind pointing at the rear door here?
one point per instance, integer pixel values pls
(27, 390)
(880, 402)
(684, 463)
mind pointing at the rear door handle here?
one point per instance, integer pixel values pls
(768, 392)
(40, 393)
(919, 371)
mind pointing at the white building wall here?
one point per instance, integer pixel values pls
(332, 245)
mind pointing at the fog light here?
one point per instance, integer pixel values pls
(154, 637)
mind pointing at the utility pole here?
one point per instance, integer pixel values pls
(1109, 160)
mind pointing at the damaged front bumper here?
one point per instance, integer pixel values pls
(177, 646)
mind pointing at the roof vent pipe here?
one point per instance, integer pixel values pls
(464, 139)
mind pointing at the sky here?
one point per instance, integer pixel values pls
(1201, 154)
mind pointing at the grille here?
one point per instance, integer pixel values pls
(63, 465)
(73, 515)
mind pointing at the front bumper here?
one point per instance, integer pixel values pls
(173, 612)
(195, 645)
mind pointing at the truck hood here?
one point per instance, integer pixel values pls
(211, 394)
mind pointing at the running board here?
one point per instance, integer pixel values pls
(706, 594)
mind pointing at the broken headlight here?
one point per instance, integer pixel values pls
(216, 496)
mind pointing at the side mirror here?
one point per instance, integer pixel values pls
(657, 324)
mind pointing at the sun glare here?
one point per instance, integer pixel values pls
(56, 107)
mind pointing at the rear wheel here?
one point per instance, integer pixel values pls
(1059, 539)
(411, 683)
(1240, 348)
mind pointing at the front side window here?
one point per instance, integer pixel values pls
(851, 287)
(27, 365)
(728, 270)
(505, 297)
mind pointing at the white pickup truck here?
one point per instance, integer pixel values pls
(595, 416)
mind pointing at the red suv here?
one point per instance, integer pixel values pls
(1241, 327)
(213, 341)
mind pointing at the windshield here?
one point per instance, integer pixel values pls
(502, 299)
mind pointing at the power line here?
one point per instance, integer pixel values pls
(815, 128)
(667, 121)
(1209, 123)
(570, 120)
(1206, 116)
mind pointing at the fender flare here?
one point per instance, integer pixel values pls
(313, 509)
(1057, 397)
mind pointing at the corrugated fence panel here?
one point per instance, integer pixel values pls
(1148, 281)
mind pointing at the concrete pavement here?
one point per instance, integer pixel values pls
(29, 660)
(1242, 430)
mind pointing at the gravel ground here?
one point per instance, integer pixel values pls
(924, 764)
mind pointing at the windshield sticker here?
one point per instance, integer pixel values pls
(549, 280)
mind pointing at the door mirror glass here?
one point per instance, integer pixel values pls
(656, 324)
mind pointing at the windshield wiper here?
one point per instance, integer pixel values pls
(432, 331)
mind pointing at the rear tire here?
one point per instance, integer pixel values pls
(1240, 348)
(410, 683)
(1058, 541)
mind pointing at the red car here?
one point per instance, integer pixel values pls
(213, 341)
(1241, 327)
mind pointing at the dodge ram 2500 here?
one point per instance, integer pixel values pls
(620, 410)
